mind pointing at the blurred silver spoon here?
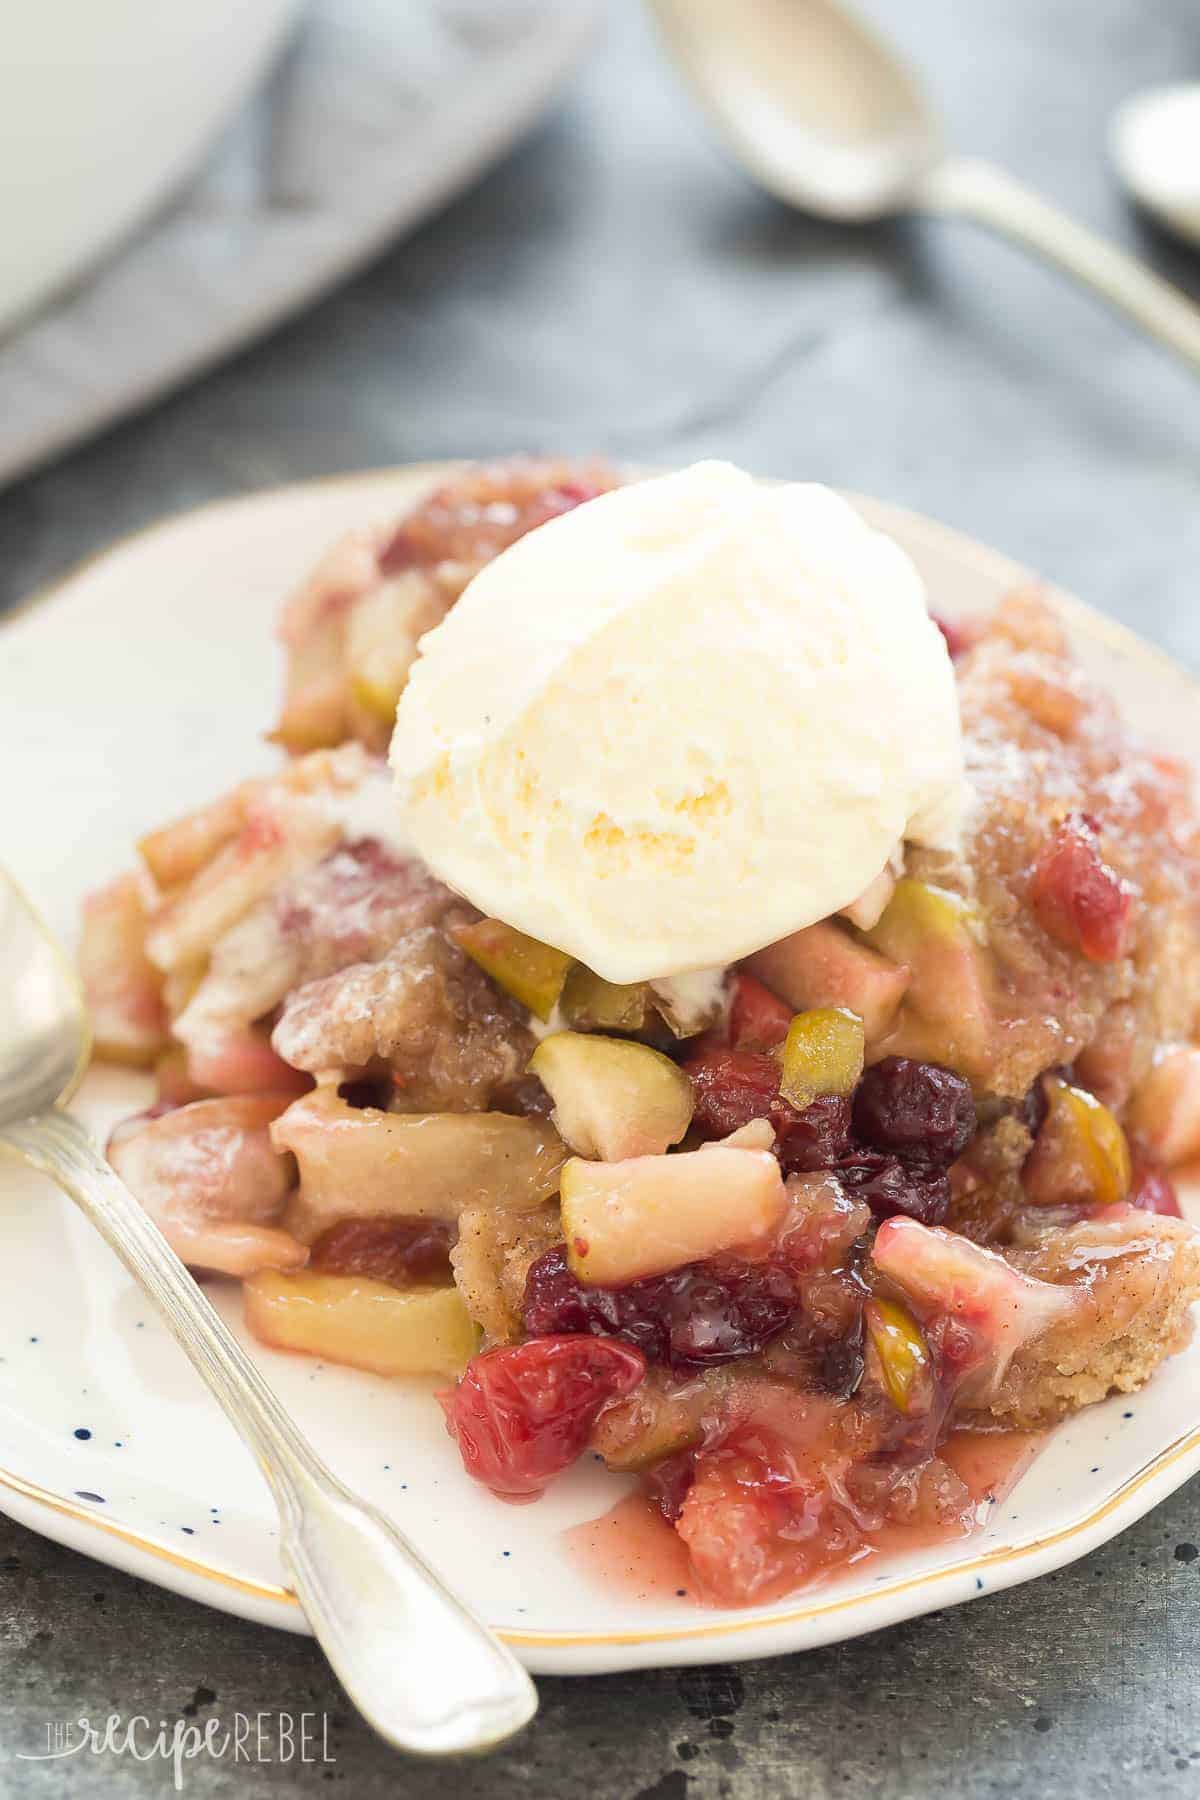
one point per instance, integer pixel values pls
(425, 1673)
(823, 114)
(1154, 142)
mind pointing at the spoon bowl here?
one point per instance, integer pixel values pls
(811, 101)
(420, 1668)
(43, 1059)
(824, 115)
(1154, 142)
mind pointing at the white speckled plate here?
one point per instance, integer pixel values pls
(138, 688)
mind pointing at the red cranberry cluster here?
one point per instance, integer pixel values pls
(692, 1318)
(891, 1142)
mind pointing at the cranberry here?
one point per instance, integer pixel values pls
(1034, 1107)
(555, 1303)
(844, 1361)
(734, 1086)
(890, 1186)
(1153, 1191)
(720, 1312)
(817, 1138)
(1079, 900)
(398, 1251)
(692, 1318)
(522, 1413)
(731, 1088)
(668, 1482)
(758, 1020)
(916, 1110)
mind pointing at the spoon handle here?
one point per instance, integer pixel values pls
(978, 191)
(427, 1675)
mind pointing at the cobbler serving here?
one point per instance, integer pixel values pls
(765, 1228)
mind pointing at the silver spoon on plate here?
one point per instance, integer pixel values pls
(419, 1667)
(823, 113)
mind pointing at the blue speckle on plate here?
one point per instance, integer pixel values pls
(33, 1340)
(187, 1530)
(83, 1494)
(82, 1433)
(979, 1584)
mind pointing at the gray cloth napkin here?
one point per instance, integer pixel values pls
(375, 115)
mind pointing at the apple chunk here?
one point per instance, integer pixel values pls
(822, 1054)
(659, 1418)
(358, 1162)
(613, 1099)
(824, 966)
(947, 1015)
(1080, 1156)
(944, 1274)
(1164, 1115)
(650, 1214)
(210, 1178)
(593, 1004)
(532, 972)
(368, 1324)
(123, 988)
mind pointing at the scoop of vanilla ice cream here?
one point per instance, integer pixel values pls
(679, 722)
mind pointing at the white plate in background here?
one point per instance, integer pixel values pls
(378, 113)
(140, 687)
(105, 105)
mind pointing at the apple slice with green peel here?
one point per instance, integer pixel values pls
(593, 1004)
(822, 1054)
(1164, 1114)
(943, 1274)
(649, 1214)
(356, 1161)
(367, 1324)
(532, 972)
(1080, 1156)
(658, 1419)
(613, 1099)
(905, 1367)
(824, 966)
(947, 1016)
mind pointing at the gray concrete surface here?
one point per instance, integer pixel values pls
(615, 284)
